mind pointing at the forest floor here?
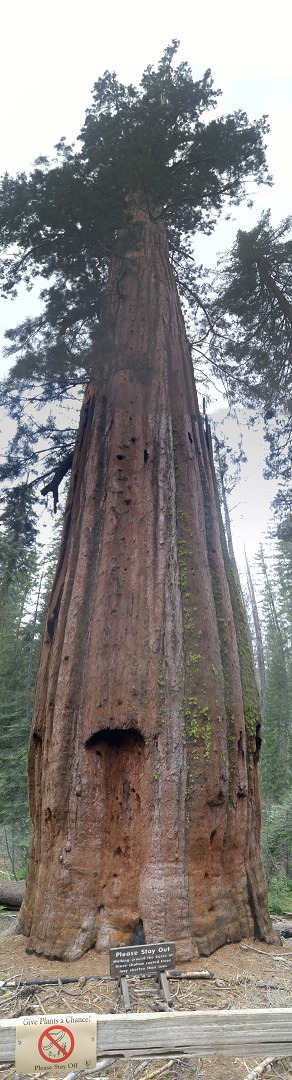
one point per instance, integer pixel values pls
(247, 975)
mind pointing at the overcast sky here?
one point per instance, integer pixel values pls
(52, 53)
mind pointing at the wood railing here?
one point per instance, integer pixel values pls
(234, 1032)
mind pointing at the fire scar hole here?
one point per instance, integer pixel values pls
(128, 739)
(258, 737)
(117, 767)
(240, 745)
(190, 437)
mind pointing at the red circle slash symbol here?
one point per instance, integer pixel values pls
(56, 1043)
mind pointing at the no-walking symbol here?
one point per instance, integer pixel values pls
(55, 1043)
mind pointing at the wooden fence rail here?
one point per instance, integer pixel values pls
(246, 1032)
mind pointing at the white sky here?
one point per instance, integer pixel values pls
(249, 502)
(52, 53)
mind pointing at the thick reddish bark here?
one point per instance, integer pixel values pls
(142, 766)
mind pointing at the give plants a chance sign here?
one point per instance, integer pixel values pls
(58, 1043)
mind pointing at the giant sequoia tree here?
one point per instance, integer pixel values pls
(144, 749)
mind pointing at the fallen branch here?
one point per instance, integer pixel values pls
(269, 956)
(158, 1072)
(56, 982)
(12, 893)
(140, 1068)
(190, 974)
(260, 1069)
(97, 1069)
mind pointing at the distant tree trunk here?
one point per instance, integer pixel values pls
(276, 759)
(226, 513)
(143, 754)
(258, 637)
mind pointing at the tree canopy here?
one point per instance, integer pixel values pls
(65, 221)
(251, 336)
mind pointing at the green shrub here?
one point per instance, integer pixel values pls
(277, 839)
(280, 895)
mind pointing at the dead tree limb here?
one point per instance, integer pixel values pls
(62, 469)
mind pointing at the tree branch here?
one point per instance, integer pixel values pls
(62, 469)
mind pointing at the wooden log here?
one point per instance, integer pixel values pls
(12, 893)
(234, 1033)
(283, 927)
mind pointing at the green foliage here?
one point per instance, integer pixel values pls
(24, 583)
(18, 532)
(67, 220)
(276, 759)
(280, 896)
(15, 715)
(227, 460)
(277, 838)
(276, 756)
(252, 333)
(276, 750)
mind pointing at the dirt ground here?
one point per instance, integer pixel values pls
(247, 975)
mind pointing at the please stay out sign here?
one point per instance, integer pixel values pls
(142, 959)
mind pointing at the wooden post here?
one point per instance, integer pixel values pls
(163, 984)
(123, 985)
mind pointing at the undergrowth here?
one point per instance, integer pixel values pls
(280, 895)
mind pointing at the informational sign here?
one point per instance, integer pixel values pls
(142, 959)
(58, 1043)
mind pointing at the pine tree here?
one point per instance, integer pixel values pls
(67, 220)
(276, 764)
(227, 465)
(25, 583)
(252, 336)
(276, 757)
(143, 761)
(17, 577)
(259, 649)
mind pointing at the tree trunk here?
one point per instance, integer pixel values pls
(258, 637)
(12, 893)
(226, 514)
(143, 757)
